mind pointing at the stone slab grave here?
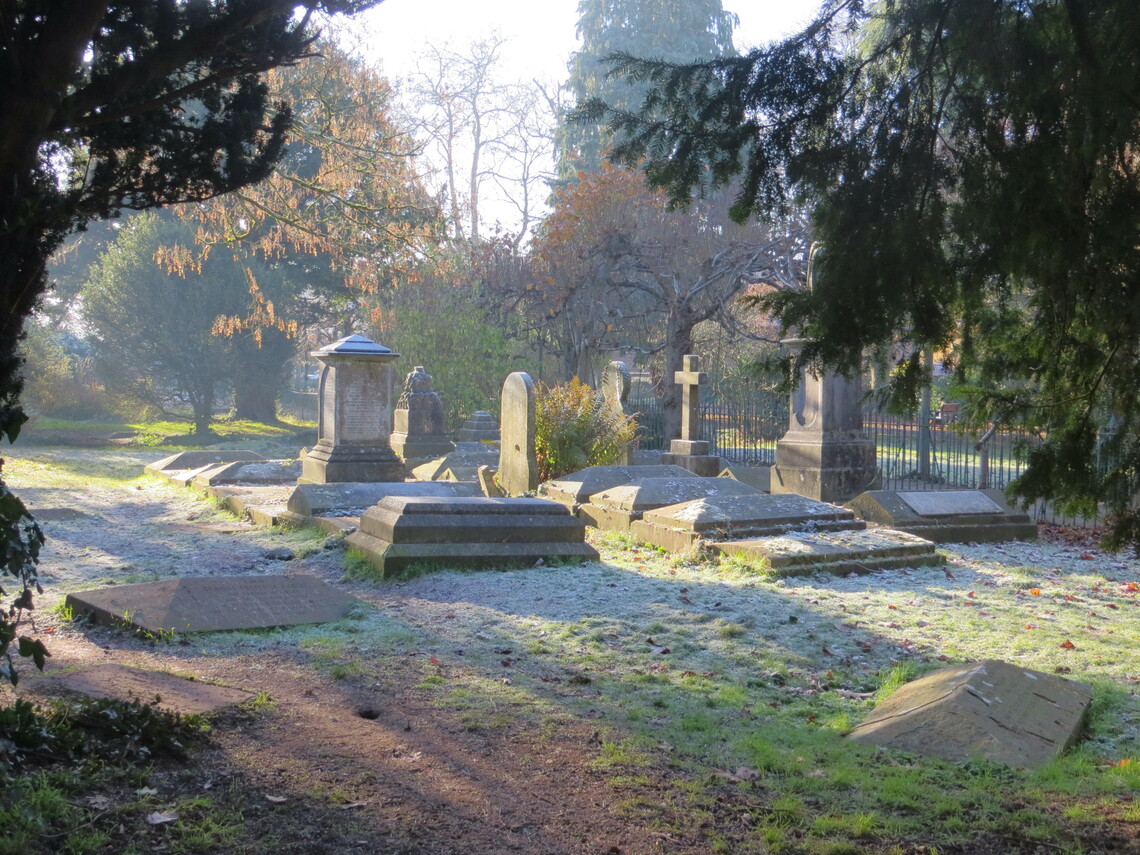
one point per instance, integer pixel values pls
(991, 710)
(434, 469)
(185, 466)
(803, 553)
(946, 516)
(759, 477)
(399, 532)
(351, 500)
(574, 489)
(212, 603)
(249, 472)
(173, 693)
(616, 508)
(678, 528)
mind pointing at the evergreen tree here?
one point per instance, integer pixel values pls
(683, 31)
(973, 167)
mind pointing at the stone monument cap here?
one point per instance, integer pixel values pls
(354, 345)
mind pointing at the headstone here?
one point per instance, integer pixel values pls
(577, 487)
(314, 500)
(400, 532)
(518, 465)
(616, 508)
(355, 417)
(615, 391)
(946, 516)
(990, 710)
(173, 693)
(825, 455)
(678, 528)
(210, 603)
(690, 451)
(803, 553)
(420, 427)
(479, 427)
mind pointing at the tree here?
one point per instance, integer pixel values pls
(131, 104)
(974, 175)
(615, 269)
(671, 30)
(151, 304)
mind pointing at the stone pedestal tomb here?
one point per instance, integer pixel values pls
(690, 451)
(420, 427)
(825, 455)
(479, 427)
(355, 415)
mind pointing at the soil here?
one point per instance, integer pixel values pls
(362, 762)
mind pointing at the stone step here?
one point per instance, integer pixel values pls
(801, 553)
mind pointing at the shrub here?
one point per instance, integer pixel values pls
(575, 429)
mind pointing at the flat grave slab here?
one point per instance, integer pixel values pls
(759, 477)
(574, 489)
(212, 603)
(351, 498)
(802, 553)
(616, 508)
(463, 531)
(435, 469)
(679, 527)
(250, 472)
(185, 461)
(946, 516)
(173, 693)
(991, 709)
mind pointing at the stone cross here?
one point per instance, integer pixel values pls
(690, 380)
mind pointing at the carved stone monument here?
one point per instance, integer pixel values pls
(518, 465)
(615, 391)
(479, 427)
(825, 455)
(355, 415)
(690, 451)
(420, 426)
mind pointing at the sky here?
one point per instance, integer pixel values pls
(540, 33)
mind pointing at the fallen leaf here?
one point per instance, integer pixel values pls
(97, 802)
(161, 817)
(352, 805)
(146, 791)
(1068, 645)
(1087, 556)
(1035, 592)
(276, 799)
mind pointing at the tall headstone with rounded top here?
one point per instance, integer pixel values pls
(355, 416)
(518, 464)
(420, 425)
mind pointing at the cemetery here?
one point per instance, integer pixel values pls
(633, 427)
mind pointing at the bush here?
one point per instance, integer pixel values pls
(575, 429)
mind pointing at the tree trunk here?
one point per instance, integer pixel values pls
(259, 374)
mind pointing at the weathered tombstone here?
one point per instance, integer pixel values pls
(313, 500)
(173, 693)
(433, 470)
(355, 416)
(182, 468)
(479, 427)
(615, 392)
(616, 508)
(518, 465)
(399, 532)
(990, 710)
(800, 553)
(577, 487)
(690, 451)
(249, 472)
(210, 603)
(946, 516)
(825, 455)
(420, 427)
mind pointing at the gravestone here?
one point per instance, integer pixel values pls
(946, 516)
(577, 487)
(480, 426)
(825, 455)
(210, 603)
(174, 693)
(616, 508)
(355, 417)
(990, 710)
(801, 553)
(435, 469)
(679, 527)
(518, 465)
(249, 472)
(420, 427)
(759, 477)
(400, 532)
(690, 451)
(615, 392)
(182, 468)
(314, 500)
